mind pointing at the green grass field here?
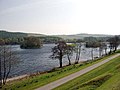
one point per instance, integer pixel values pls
(105, 77)
(40, 80)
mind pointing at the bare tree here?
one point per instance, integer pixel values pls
(7, 60)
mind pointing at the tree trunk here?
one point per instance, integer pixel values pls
(69, 59)
(60, 59)
(4, 66)
(115, 49)
(92, 53)
(0, 73)
(76, 60)
(110, 51)
(9, 68)
(99, 52)
(79, 53)
(60, 63)
(105, 51)
(76, 54)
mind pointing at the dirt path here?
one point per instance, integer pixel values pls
(74, 75)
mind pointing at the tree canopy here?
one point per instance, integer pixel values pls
(31, 43)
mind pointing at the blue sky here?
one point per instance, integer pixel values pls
(61, 16)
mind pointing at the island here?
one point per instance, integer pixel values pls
(31, 43)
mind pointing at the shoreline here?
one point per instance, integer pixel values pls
(20, 77)
(37, 73)
(17, 78)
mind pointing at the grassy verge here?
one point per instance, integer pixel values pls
(118, 51)
(105, 77)
(33, 82)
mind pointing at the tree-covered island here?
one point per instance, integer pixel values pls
(31, 43)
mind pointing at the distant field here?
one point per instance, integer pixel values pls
(105, 77)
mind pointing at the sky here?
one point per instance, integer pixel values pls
(55, 17)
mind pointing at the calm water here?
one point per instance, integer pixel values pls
(34, 60)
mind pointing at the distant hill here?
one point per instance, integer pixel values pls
(13, 38)
(6, 34)
(81, 36)
(35, 35)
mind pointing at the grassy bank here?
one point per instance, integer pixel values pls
(33, 82)
(105, 77)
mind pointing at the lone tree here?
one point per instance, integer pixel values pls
(31, 43)
(7, 60)
(59, 51)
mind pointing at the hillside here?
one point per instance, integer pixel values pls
(6, 34)
(17, 37)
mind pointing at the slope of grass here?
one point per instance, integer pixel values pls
(114, 82)
(33, 82)
(97, 81)
(105, 77)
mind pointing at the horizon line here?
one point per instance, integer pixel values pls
(55, 34)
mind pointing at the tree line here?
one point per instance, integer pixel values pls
(20, 40)
(63, 49)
